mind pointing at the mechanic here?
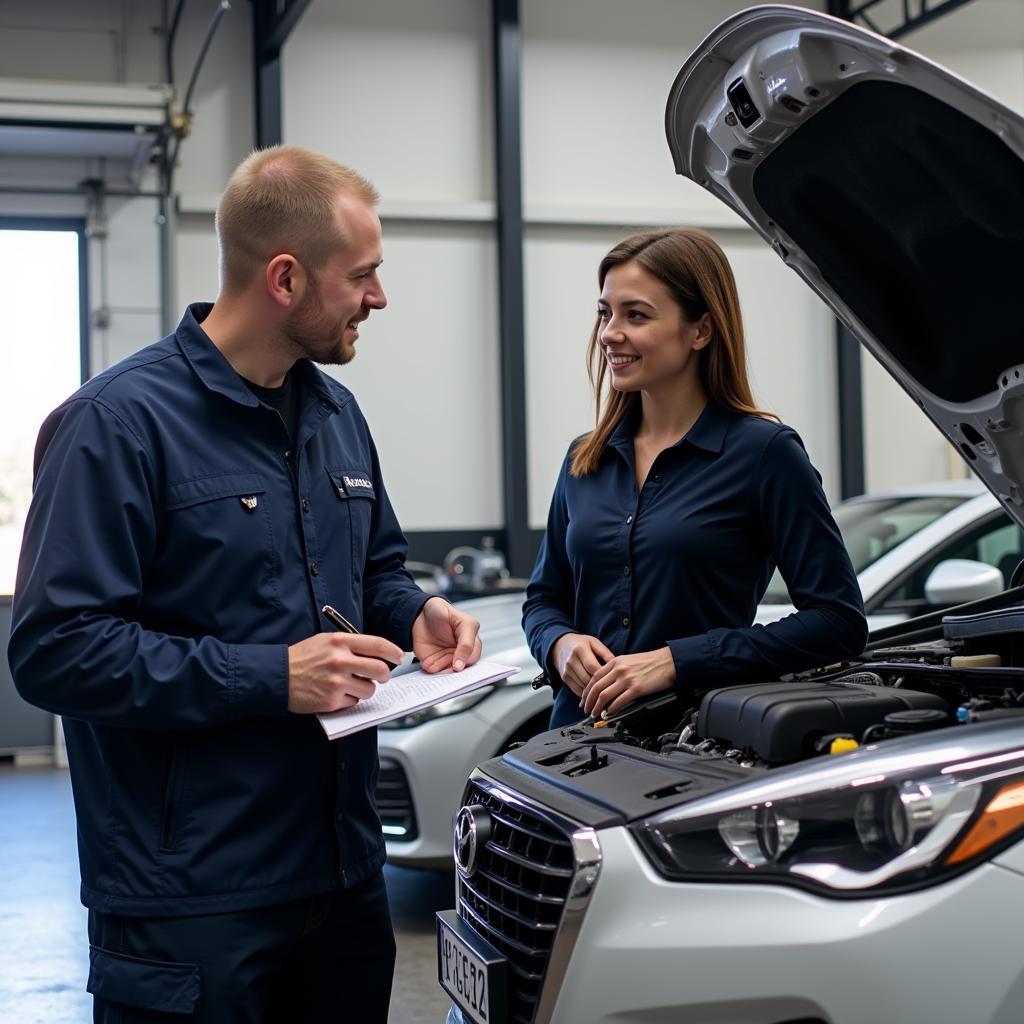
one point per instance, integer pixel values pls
(669, 518)
(195, 506)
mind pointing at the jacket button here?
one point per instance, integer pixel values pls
(305, 504)
(314, 569)
(629, 519)
(339, 816)
(287, 455)
(625, 621)
(657, 477)
(626, 570)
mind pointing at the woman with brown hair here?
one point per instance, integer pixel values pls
(669, 517)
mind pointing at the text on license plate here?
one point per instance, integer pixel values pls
(467, 976)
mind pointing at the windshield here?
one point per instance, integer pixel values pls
(872, 527)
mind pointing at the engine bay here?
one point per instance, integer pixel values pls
(669, 749)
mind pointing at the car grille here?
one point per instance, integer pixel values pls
(517, 893)
(394, 803)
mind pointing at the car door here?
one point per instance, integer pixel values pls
(997, 542)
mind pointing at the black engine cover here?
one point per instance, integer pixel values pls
(781, 722)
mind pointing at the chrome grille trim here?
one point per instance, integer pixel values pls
(496, 933)
(541, 926)
(525, 862)
(520, 827)
(537, 897)
(568, 888)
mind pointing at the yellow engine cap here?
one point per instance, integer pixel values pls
(842, 745)
(975, 661)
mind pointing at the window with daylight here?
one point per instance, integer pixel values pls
(41, 355)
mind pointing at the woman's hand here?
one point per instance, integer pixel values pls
(577, 657)
(627, 677)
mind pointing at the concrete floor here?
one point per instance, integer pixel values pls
(43, 947)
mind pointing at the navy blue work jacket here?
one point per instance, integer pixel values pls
(685, 560)
(177, 542)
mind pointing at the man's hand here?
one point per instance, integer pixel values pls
(331, 671)
(577, 657)
(627, 677)
(444, 638)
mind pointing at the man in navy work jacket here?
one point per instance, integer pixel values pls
(195, 507)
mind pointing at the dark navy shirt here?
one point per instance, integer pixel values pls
(178, 541)
(685, 560)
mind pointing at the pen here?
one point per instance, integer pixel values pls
(332, 614)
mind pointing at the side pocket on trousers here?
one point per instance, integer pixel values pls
(145, 984)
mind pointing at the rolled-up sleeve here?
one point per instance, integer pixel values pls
(798, 529)
(77, 647)
(548, 609)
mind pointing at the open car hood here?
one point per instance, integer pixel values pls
(895, 189)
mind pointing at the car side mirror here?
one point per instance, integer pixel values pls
(959, 580)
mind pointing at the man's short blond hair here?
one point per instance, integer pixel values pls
(282, 200)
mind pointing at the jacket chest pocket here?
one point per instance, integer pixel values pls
(355, 492)
(220, 537)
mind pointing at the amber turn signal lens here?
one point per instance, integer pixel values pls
(1004, 814)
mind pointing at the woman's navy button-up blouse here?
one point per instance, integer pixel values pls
(685, 560)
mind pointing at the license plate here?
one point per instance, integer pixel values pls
(470, 970)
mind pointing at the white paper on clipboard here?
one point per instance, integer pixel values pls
(410, 692)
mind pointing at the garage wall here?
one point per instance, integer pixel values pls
(789, 332)
(596, 75)
(403, 93)
(110, 41)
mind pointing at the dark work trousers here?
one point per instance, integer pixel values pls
(329, 958)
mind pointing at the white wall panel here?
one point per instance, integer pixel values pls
(198, 267)
(596, 77)
(901, 445)
(124, 294)
(98, 41)
(223, 106)
(400, 91)
(128, 333)
(133, 252)
(426, 375)
(791, 348)
(561, 294)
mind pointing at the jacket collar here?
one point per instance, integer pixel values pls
(217, 374)
(707, 434)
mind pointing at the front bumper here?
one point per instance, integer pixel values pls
(660, 951)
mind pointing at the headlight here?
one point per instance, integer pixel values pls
(440, 710)
(875, 820)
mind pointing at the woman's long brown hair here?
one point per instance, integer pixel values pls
(693, 267)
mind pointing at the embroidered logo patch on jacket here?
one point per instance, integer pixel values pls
(353, 484)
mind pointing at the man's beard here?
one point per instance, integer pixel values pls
(316, 335)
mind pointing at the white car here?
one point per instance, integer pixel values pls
(923, 548)
(425, 757)
(920, 549)
(846, 845)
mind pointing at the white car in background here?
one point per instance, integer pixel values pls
(920, 549)
(914, 550)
